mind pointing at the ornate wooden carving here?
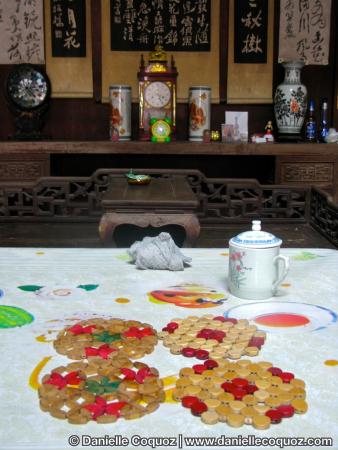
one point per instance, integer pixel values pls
(220, 200)
(23, 167)
(324, 215)
(304, 172)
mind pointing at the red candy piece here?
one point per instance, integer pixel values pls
(202, 354)
(256, 342)
(104, 351)
(188, 352)
(142, 374)
(73, 378)
(129, 374)
(115, 408)
(275, 415)
(199, 368)
(219, 335)
(227, 387)
(172, 325)
(168, 330)
(230, 319)
(210, 364)
(147, 332)
(97, 409)
(286, 376)
(238, 393)
(138, 333)
(286, 410)
(189, 400)
(276, 371)
(240, 382)
(101, 407)
(198, 408)
(219, 318)
(205, 333)
(79, 329)
(61, 381)
(250, 389)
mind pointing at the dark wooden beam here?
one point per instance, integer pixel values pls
(96, 11)
(223, 49)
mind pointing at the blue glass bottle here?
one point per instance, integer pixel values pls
(323, 129)
(310, 125)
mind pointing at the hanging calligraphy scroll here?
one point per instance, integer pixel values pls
(304, 31)
(68, 24)
(251, 22)
(180, 25)
(21, 32)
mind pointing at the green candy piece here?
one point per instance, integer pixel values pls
(11, 317)
(105, 387)
(107, 338)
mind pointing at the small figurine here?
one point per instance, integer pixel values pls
(268, 132)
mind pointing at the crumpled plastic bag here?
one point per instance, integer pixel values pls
(159, 253)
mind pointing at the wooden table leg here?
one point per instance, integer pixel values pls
(111, 220)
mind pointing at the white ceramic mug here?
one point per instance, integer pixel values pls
(255, 271)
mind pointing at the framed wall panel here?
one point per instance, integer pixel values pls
(194, 68)
(250, 83)
(70, 77)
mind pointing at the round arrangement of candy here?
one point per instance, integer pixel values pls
(241, 392)
(82, 391)
(213, 337)
(102, 338)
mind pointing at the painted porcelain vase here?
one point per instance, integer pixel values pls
(291, 100)
(256, 268)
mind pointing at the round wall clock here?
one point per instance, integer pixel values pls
(157, 92)
(28, 93)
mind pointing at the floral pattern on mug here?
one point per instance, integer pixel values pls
(237, 269)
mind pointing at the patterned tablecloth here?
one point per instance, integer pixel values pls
(55, 287)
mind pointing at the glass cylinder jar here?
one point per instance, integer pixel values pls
(199, 111)
(120, 112)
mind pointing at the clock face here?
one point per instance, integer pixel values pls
(157, 94)
(27, 87)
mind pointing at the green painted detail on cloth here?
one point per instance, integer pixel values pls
(88, 287)
(11, 317)
(30, 288)
(305, 256)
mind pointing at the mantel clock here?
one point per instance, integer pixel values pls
(157, 92)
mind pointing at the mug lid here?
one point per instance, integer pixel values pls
(256, 238)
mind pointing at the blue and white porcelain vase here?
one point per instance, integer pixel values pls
(291, 100)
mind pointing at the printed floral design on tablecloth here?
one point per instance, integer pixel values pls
(12, 316)
(237, 268)
(305, 256)
(59, 292)
(1, 293)
(188, 296)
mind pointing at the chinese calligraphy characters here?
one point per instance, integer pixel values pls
(304, 31)
(251, 31)
(175, 24)
(21, 32)
(68, 23)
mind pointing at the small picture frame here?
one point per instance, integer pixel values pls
(227, 133)
(239, 120)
